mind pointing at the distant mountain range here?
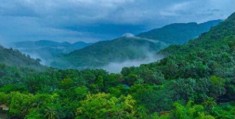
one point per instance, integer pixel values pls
(47, 50)
(130, 47)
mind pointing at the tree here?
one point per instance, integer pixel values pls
(20, 104)
(217, 87)
(34, 114)
(152, 97)
(190, 111)
(103, 105)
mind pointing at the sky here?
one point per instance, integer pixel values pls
(96, 20)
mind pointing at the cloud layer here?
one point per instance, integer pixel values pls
(94, 20)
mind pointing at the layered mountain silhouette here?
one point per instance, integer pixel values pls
(132, 47)
(47, 50)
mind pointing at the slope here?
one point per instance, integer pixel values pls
(200, 71)
(13, 57)
(209, 58)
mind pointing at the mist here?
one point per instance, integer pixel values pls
(37, 56)
(116, 67)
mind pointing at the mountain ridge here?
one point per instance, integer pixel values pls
(128, 48)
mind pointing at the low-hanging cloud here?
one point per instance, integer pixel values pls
(116, 67)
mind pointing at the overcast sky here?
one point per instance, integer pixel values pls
(94, 20)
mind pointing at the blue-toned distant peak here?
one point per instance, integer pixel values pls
(179, 33)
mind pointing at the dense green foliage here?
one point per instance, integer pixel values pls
(132, 47)
(195, 81)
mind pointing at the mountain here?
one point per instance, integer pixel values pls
(211, 54)
(198, 72)
(117, 50)
(179, 33)
(47, 50)
(219, 36)
(129, 47)
(13, 57)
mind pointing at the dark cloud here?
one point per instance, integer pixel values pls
(94, 20)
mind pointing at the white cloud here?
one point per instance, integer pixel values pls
(116, 67)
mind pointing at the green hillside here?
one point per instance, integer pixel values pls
(118, 50)
(199, 71)
(132, 47)
(13, 57)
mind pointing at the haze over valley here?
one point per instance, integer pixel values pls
(112, 55)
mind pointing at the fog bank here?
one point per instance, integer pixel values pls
(116, 67)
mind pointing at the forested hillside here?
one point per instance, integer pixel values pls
(105, 52)
(132, 47)
(16, 58)
(195, 81)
